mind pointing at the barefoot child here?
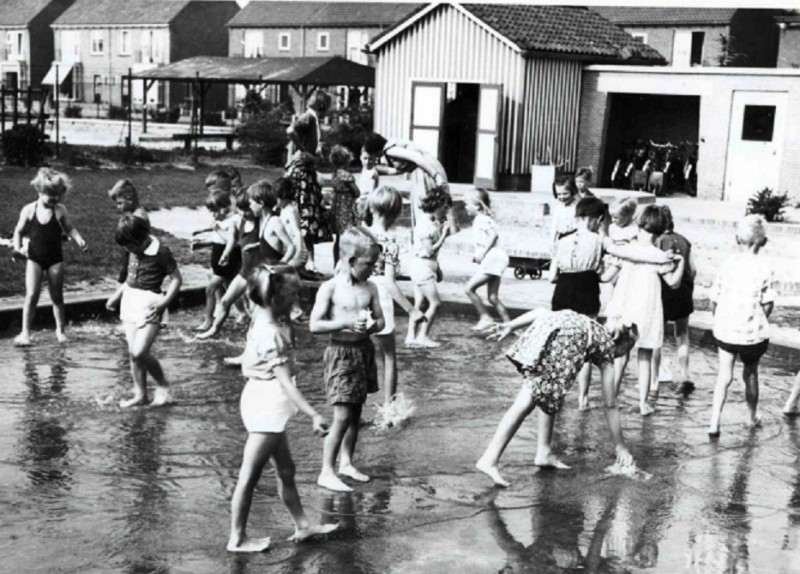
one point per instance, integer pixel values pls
(429, 235)
(43, 222)
(345, 196)
(742, 298)
(386, 204)
(290, 217)
(142, 305)
(268, 401)
(489, 255)
(549, 355)
(348, 307)
(126, 197)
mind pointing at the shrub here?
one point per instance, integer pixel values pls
(72, 111)
(263, 131)
(768, 204)
(213, 119)
(117, 113)
(348, 128)
(24, 145)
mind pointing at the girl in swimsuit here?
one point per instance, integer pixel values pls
(43, 222)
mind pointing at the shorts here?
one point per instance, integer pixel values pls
(423, 271)
(265, 407)
(135, 306)
(350, 371)
(749, 354)
(387, 304)
(495, 262)
(579, 292)
(230, 270)
(678, 303)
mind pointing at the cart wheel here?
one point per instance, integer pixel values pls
(519, 273)
(536, 274)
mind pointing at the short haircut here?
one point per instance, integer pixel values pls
(387, 202)
(340, 156)
(584, 173)
(751, 230)
(51, 182)
(283, 188)
(652, 220)
(436, 198)
(233, 175)
(591, 207)
(131, 230)
(124, 189)
(218, 177)
(242, 202)
(320, 101)
(567, 181)
(356, 241)
(274, 286)
(374, 143)
(262, 192)
(669, 223)
(218, 199)
(624, 208)
(482, 196)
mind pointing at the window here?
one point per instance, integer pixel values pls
(125, 43)
(758, 123)
(253, 43)
(696, 58)
(323, 41)
(97, 41)
(97, 89)
(284, 42)
(640, 36)
(14, 44)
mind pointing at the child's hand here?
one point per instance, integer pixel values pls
(81, 243)
(153, 314)
(320, 425)
(624, 456)
(223, 261)
(358, 325)
(497, 331)
(112, 303)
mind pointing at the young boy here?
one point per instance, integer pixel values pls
(125, 196)
(348, 307)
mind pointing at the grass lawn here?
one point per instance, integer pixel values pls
(95, 215)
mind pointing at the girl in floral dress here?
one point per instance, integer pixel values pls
(345, 196)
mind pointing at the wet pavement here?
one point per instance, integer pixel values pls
(85, 487)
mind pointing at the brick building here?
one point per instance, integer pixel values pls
(789, 39)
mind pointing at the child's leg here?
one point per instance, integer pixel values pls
(412, 327)
(655, 369)
(33, 288)
(724, 380)
(750, 376)
(431, 293)
(508, 427)
(584, 378)
(478, 280)
(232, 293)
(387, 345)
(211, 302)
(620, 364)
(330, 449)
(310, 248)
(257, 451)
(790, 408)
(55, 285)
(346, 466)
(335, 249)
(142, 363)
(682, 339)
(645, 373)
(544, 456)
(494, 298)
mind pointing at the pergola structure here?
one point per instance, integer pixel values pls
(304, 75)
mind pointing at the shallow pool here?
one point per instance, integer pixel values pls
(85, 487)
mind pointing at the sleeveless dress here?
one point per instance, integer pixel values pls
(44, 240)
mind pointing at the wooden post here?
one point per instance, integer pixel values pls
(202, 87)
(144, 105)
(2, 108)
(129, 139)
(28, 105)
(15, 99)
(58, 143)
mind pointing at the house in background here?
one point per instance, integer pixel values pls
(702, 36)
(26, 42)
(98, 41)
(789, 39)
(492, 89)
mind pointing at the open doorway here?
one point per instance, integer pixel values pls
(460, 123)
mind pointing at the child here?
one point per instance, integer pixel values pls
(268, 401)
(622, 229)
(742, 298)
(637, 299)
(342, 308)
(678, 303)
(226, 258)
(429, 235)
(566, 195)
(273, 241)
(345, 195)
(126, 197)
(548, 356)
(489, 255)
(143, 306)
(43, 222)
(290, 218)
(386, 204)
(583, 179)
(225, 177)
(367, 184)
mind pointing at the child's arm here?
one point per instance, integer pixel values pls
(438, 245)
(636, 253)
(418, 160)
(284, 377)
(609, 273)
(285, 240)
(352, 188)
(230, 243)
(201, 231)
(113, 301)
(691, 270)
(553, 272)
(173, 289)
(673, 278)
(19, 230)
(318, 321)
(375, 307)
(500, 331)
(293, 228)
(63, 218)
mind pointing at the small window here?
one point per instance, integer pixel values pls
(640, 36)
(696, 58)
(98, 42)
(758, 123)
(284, 42)
(125, 43)
(323, 41)
(97, 89)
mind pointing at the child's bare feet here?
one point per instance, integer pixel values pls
(483, 323)
(755, 421)
(550, 460)
(350, 471)
(203, 327)
(317, 530)
(492, 472)
(713, 431)
(161, 397)
(332, 482)
(583, 403)
(233, 361)
(23, 340)
(248, 545)
(791, 410)
(212, 332)
(427, 343)
(61, 337)
(410, 342)
(136, 401)
(646, 410)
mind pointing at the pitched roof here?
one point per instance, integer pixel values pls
(647, 16)
(264, 14)
(20, 12)
(120, 12)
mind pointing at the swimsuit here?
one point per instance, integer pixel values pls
(250, 257)
(268, 253)
(44, 247)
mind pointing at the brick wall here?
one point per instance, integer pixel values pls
(661, 38)
(592, 126)
(302, 42)
(789, 48)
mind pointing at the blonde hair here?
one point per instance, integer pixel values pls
(356, 242)
(51, 182)
(386, 201)
(751, 230)
(274, 286)
(481, 197)
(125, 189)
(625, 209)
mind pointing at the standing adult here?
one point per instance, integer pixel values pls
(301, 171)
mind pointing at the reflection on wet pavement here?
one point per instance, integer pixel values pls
(89, 488)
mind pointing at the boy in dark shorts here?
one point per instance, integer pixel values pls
(348, 307)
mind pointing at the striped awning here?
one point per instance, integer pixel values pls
(64, 70)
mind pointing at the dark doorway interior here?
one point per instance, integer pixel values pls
(460, 133)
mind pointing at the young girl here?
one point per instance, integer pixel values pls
(290, 218)
(583, 179)
(274, 243)
(386, 205)
(225, 255)
(345, 195)
(143, 306)
(548, 356)
(429, 235)
(489, 255)
(126, 197)
(623, 229)
(637, 299)
(268, 401)
(742, 298)
(566, 195)
(43, 222)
